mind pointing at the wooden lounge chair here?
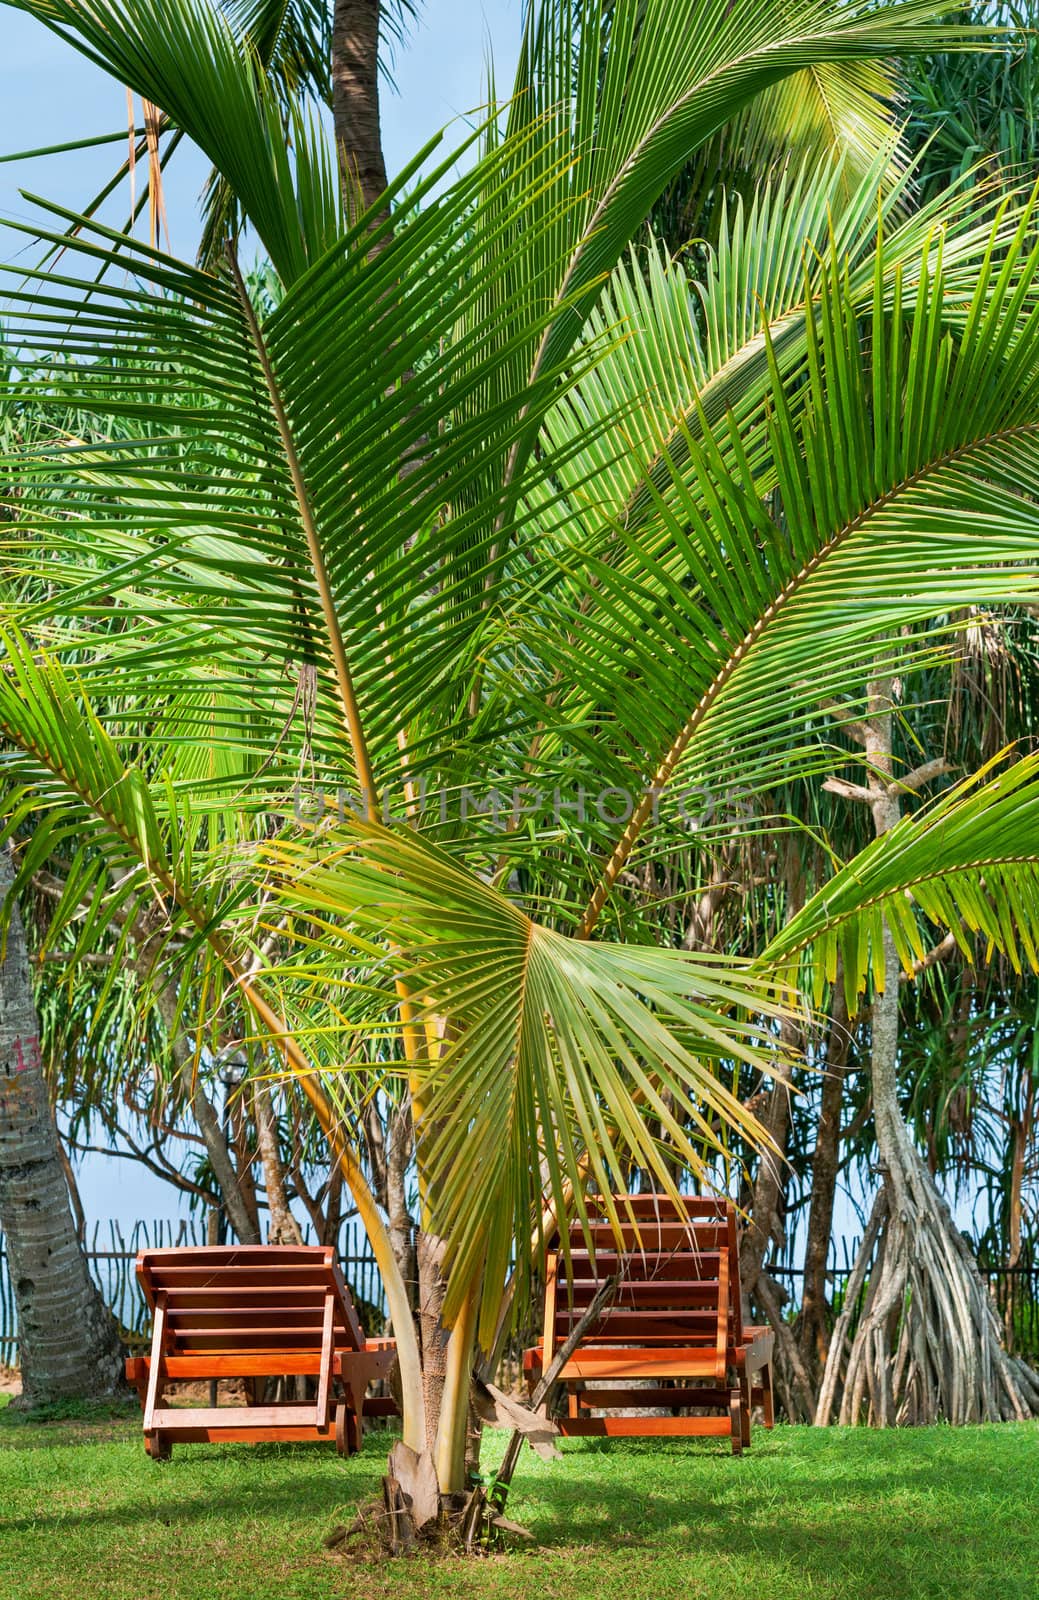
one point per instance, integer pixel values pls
(675, 1319)
(255, 1312)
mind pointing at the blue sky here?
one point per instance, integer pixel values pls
(50, 95)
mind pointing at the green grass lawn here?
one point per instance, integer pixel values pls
(935, 1513)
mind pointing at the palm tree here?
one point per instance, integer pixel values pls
(475, 509)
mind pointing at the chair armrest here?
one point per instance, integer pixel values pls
(362, 1367)
(755, 1352)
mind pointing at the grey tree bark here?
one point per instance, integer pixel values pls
(283, 1227)
(390, 1146)
(432, 1289)
(69, 1344)
(813, 1332)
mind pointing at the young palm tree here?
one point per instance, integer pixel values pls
(475, 508)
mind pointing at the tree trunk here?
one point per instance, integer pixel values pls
(1020, 1139)
(813, 1330)
(430, 1256)
(766, 1220)
(401, 1227)
(765, 1224)
(793, 1385)
(205, 1115)
(428, 1490)
(282, 1226)
(928, 1344)
(355, 100)
(767, 1206)
(69, 1344)
(237, 1122)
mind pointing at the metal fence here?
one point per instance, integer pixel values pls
(111, 1255)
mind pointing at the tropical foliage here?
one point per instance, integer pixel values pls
(489, 495)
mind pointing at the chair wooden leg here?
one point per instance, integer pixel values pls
(158, 1446)
(736, 1421)
(348, 1428)
(745, 1388)
(768, 1404)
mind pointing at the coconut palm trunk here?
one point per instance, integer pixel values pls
(355, 96)
(69, 1345)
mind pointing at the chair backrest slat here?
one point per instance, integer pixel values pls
(653, 1236)
(231, 1297)
(680, 1276)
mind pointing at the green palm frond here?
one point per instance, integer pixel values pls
(674, 72)
(275, 457)
(556, 1052)
(842, 112)
(834, 107)
(147, 870)
(423, 508)
(128, 841)
(291, 43)
(967, 863)
(898, 483)
(540, 230)
(144, 877)
(696, 350)
(292, 39)
(187, 58)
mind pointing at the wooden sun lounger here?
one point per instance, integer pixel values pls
(255, 1312)
(675, 1319)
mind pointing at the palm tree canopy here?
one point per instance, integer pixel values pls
(492, 503)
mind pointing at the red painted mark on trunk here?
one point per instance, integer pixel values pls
(27, 1053)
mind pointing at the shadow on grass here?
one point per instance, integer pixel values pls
(889, 1515)
(62, 1426)
(302, 1497)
